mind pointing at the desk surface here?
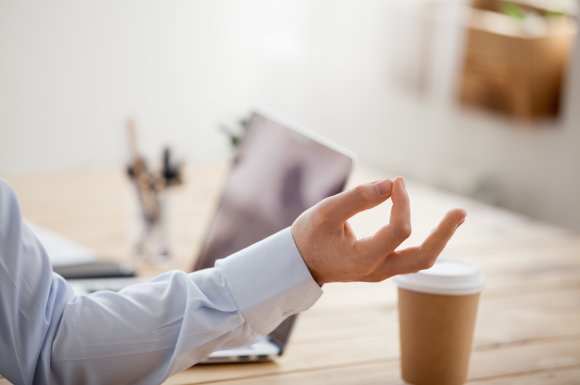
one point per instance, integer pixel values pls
(528, 327)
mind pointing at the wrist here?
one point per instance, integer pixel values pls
(306, 257)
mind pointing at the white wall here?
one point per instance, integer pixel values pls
(71, 72)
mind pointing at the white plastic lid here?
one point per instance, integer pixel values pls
(447, 277)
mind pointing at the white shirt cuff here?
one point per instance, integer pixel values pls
(269, 281)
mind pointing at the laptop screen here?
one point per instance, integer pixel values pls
(278, 172)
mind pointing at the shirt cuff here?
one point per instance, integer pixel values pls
(269, 281)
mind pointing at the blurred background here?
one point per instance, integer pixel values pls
(481, 98)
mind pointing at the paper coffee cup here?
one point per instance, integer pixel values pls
(437, 311)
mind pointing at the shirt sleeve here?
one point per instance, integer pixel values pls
(146, 332)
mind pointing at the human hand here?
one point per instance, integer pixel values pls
(334, 254)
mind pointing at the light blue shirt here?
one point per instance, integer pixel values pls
(146, 332)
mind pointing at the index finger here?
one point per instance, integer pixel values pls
(341, 207)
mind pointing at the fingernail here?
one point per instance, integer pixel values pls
(382, 186)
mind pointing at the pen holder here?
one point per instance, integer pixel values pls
(151, 232)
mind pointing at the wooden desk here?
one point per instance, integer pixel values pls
(528, 328)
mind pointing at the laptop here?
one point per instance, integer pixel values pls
(280, 169)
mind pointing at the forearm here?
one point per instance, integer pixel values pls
(178, 319)
(147, 331)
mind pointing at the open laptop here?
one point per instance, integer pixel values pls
(279, 170)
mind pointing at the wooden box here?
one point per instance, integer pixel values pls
(509, 70)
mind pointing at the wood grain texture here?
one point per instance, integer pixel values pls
(528, 324)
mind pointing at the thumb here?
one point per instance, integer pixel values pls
(339, 208)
